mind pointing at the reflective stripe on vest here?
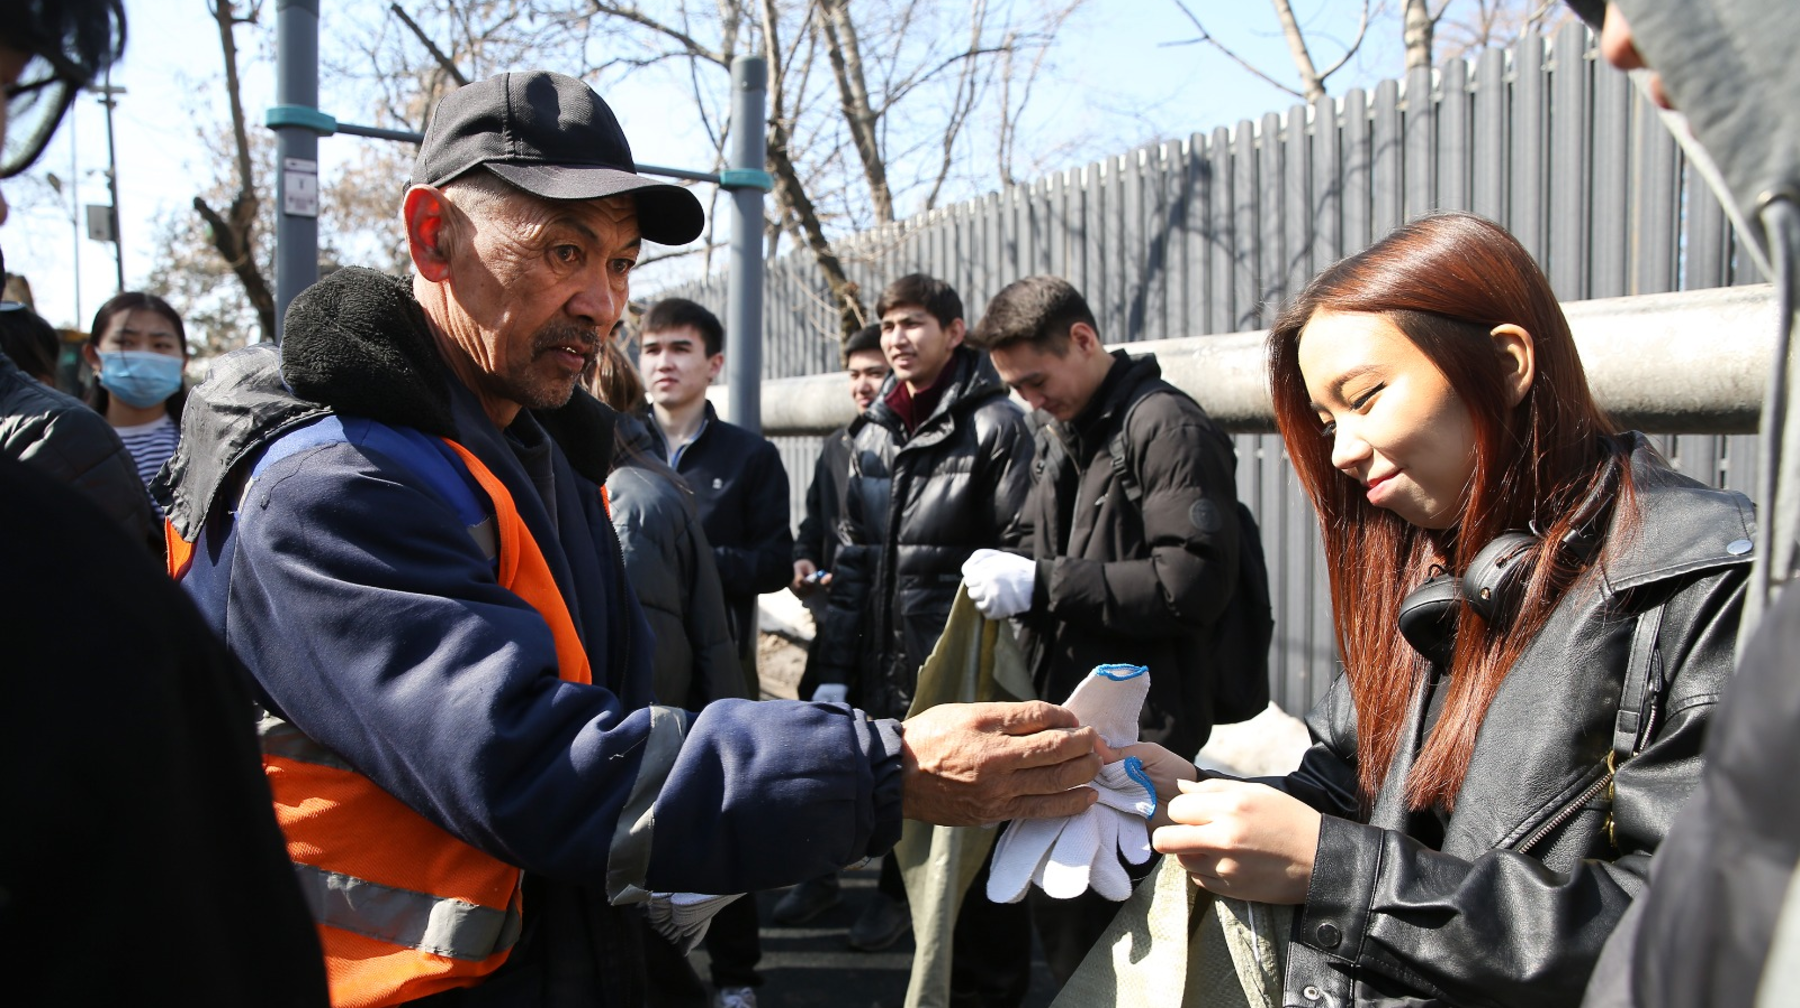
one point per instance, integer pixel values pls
(405, 909)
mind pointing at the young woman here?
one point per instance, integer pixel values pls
(138, 350)
(1535, 616)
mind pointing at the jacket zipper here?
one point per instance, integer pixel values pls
(1567, 812)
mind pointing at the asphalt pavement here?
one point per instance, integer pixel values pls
(812, 965)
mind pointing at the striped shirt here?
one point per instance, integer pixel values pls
(150, 444)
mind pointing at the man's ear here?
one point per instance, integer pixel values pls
(427, 217)
(714, 365)
(1084, 338)
(1518, 360)
(954, 332)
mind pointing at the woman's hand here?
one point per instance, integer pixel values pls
(1247, 841)
(1166, 771)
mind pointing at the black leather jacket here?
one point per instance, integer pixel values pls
(1536, 865)
(915, 508)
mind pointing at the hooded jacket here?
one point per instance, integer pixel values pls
(1507, 900)
(59, 436)
(915, 508)
(1721, 921)
(1145, 582)
(371, 621)
(670, 566)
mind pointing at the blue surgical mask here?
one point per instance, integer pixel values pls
(139, 377)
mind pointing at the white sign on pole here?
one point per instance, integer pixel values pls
(299, 187)
(102, 223)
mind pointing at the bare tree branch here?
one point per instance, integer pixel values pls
(443, 61)
(233, 233)
(1207, 37)
(844, 50)
(638, 17)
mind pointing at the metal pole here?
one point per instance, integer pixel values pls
(743, 313)
(296, 83)
(109, 99)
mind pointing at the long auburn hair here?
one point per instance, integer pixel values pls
(1445, 281)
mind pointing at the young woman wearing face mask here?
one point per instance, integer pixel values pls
(137, 349)
(1485, 791)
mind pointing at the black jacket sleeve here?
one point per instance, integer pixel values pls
(1189, 508)
(764, 563)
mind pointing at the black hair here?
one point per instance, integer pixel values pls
(1039, 310)
(928, 292)
(864, 339)
(31, 342)
(676, 313)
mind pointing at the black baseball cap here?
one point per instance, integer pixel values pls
(552, 136)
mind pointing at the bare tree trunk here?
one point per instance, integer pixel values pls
(234, 232)
(791, 193)
(1312, 83)
(845, 52)
(1419, 26)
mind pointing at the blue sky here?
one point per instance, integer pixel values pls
(1118, 83)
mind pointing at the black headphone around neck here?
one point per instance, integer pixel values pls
(1496, 577)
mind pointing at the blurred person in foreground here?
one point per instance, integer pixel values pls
(138, 832)
(1720, 924)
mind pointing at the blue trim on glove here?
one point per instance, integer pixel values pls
(1120, 673)
(1134, 768)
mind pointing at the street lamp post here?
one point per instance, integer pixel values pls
(109, 98)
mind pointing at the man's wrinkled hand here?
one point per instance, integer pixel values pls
(974, 764)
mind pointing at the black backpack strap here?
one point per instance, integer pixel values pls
(1638, 699)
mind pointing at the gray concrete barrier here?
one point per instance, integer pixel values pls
(1691, 362)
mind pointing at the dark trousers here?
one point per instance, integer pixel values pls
(990, 964)
(734, 945)
(731, 941)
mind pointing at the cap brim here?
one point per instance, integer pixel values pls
(667, 214)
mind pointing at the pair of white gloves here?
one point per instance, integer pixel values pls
(1068, 856)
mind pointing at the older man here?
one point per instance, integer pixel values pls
(397, 523)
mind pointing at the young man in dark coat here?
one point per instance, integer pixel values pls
(939, 468)
(1108, 578)
(737, 477)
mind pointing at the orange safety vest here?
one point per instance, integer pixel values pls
(404, 909)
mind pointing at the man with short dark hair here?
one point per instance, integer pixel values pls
(739, 483)
(939, 468)
(396, 518)
(1134, 547)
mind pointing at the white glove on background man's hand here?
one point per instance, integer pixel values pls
(831, 692)
(999, 583)
(1068, 856)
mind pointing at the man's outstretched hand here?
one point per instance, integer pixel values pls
(972, 764)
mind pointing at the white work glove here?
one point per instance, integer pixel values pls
(683, 918)
(999, 582)
(831, 692)
(1068, 856)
